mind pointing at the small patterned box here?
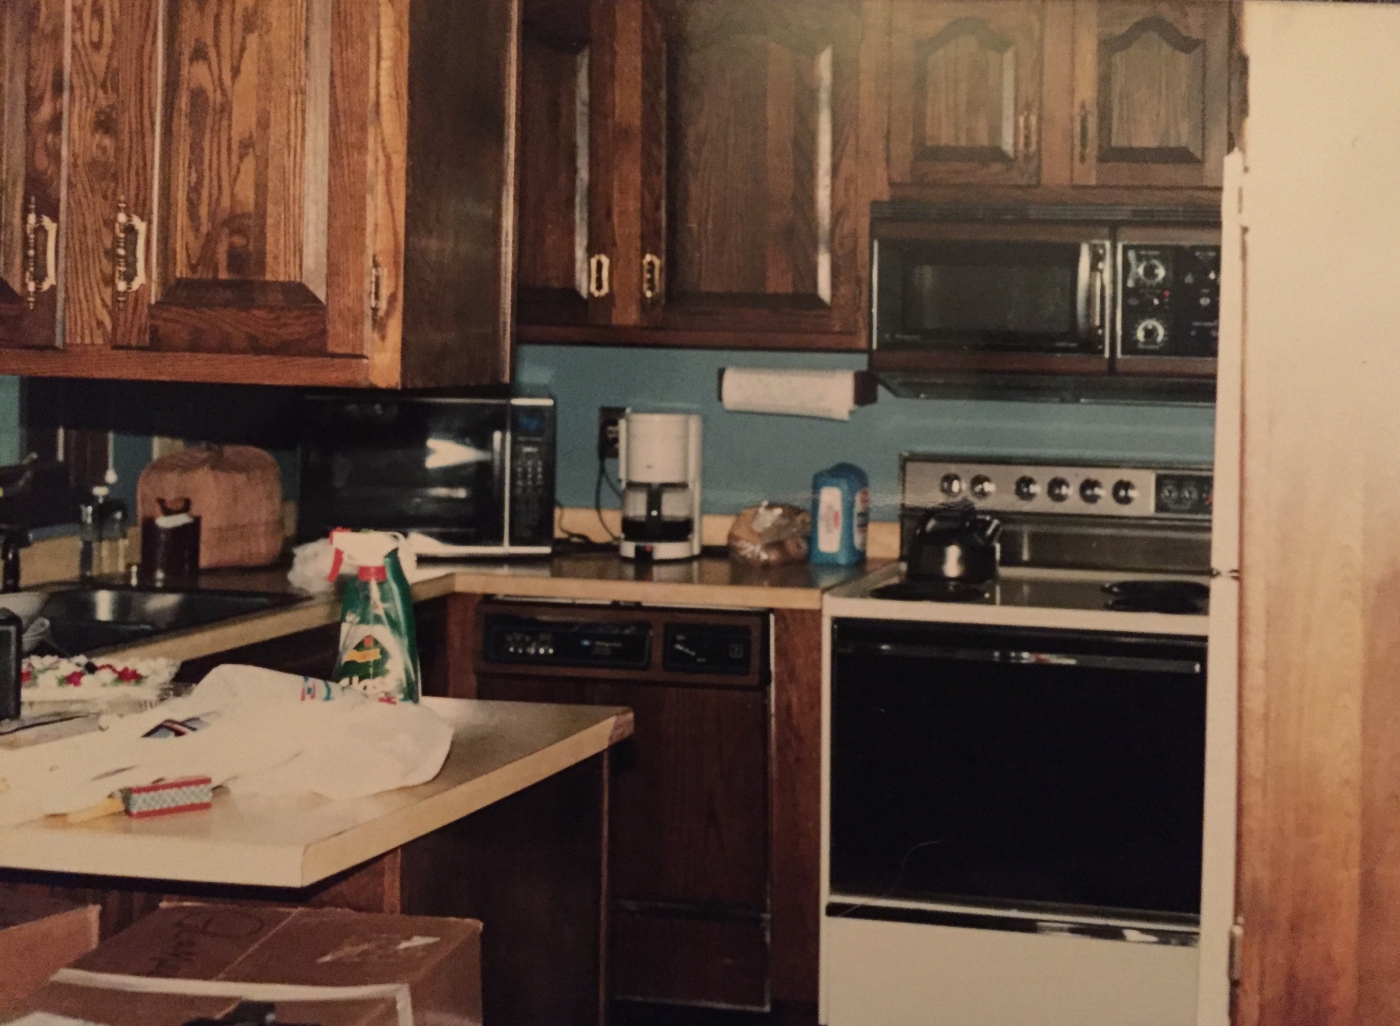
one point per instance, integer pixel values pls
(185, 794)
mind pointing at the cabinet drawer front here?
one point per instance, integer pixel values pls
(656, 957)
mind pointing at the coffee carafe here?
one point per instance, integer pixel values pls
(659, 460)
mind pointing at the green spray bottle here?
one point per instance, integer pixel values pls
(378, 643)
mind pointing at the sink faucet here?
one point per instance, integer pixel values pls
(12, 540)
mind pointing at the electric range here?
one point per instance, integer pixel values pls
(1013, 771)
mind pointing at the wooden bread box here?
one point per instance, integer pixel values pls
(235, 490)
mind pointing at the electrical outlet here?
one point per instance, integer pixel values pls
(609, 419)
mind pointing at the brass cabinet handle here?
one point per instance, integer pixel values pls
(376, 288)
(33, 284)
(1083, 133)
(651, 276)
(128, 279)
(599, 275)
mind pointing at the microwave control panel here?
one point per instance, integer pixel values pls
(1169, 300)
(531, 474)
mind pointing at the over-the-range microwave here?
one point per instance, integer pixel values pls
(1089, 301)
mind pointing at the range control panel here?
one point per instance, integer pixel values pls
(1055, 488)
(526, 639)
(1169, 304)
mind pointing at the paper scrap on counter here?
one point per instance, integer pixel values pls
(829, 394)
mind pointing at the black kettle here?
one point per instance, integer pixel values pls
(954, 543)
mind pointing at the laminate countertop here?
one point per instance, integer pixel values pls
(709, 581)
(498, 749)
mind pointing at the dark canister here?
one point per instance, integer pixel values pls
(170, 544)
(11, 662)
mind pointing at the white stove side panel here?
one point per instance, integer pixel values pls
(907, 974)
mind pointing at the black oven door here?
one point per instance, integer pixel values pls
(1017, 769)
(947, 292)
(434, 466)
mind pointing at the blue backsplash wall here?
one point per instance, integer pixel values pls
(750, 457)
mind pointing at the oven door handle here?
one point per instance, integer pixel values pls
(498, 463)
(1013, 657)
(1091, 289)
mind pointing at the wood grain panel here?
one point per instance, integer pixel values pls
(725, 961)
(136, 35)
(239, 74)
(965, 92)
(93, 174)
(1320, 568)
(1151, 93)
(353, 145)
(796, 803)
(550, 183)
(33, 123)
(459, 217)
(762, 216)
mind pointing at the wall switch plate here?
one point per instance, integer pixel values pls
(609, 420)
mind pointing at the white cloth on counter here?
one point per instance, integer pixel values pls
(311, 566)
(803, 393)
(260, 732)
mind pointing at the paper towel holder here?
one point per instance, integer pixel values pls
(866, 387)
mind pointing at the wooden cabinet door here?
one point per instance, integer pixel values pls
(965, 89)
(553, 166)
(1150, 92)
(33, 128)
(263, 194)
(760, 170)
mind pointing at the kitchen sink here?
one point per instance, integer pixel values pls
(87, 619)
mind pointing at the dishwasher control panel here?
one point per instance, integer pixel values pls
(617, 642)
(526, 639)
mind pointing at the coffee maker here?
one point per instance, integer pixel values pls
(659, 464)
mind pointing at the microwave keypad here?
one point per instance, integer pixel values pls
(1170, 300)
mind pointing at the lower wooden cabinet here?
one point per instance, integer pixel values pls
(688, 834)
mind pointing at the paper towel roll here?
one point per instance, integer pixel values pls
(802, 393)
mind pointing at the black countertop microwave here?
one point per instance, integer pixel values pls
(1104, 300)
(473, 470)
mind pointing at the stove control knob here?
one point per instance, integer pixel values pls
(1090, 491)
(1058, 489)
(1124, 492)
(983, 487)
(1150, 333)
(951, 484)
(1026, 488)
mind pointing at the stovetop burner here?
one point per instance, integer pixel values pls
(931, 591)
(1157, 596)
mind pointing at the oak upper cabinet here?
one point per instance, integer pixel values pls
(692, 178)
(33, 125)
(1151, 89)
(965, 92)
(279, 191)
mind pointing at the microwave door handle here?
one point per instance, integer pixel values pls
(1083, 289)
(498, 462)
(1092, 291)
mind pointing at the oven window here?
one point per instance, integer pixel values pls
(1017, 768)
(1019, 296)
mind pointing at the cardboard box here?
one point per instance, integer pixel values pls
(325, 966)
(38, 935)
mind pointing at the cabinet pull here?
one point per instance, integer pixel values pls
(125, 281)
(1032, 140)
(1020, 146)
(1083, 133)
(376, 289)
(599, 275)
(33, 284)
(651, 276)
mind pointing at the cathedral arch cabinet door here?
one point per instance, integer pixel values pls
(1150, 93)
(965, 92)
